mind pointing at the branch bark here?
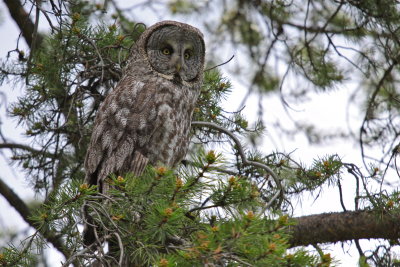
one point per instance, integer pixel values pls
(21, 17)
(344, 226)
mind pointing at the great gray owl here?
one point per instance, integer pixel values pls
(146, 118)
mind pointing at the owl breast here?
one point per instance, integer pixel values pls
(169, 141)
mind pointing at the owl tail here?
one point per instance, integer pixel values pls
(137, 167)
(139, 163)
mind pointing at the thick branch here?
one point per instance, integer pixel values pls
(21, 17)
(343, 226)
(26, 214)
(16, 202)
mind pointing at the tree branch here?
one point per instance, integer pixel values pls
(344, 226)
(21, 17)
(15, 201)
(27, 148)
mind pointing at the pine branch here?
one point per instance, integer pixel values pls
(344, 226)
(65, 102)
(15, 201)
(244, 159)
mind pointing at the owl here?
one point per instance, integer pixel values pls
(146, 118)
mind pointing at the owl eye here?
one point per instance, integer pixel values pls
(166, 51)
(187, 54)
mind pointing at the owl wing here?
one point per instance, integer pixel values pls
(123, 124)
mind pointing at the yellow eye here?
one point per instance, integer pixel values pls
(187, 55)
(167, 51)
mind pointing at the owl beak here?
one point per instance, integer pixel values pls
(178, 66)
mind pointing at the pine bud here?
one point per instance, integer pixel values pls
(250, 215)
(161, 170)
(254, 194)
(272, 247)
(112, 27)
(277, 236)
(211, 157)
(205, 244)
(163, 263)
(326, 258)
(83, 187)
(168, 212)
(390, 204)
(326, 164)
(76, 16)
(178, 183)
(76, 30)
(232, 180)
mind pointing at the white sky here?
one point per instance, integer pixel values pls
(328, 111)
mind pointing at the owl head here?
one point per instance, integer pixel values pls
(174, 50)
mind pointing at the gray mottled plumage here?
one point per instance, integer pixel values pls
(146, 118)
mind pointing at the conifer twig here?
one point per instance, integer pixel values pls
(245, 161)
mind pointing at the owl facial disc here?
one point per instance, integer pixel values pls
(176, 53)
